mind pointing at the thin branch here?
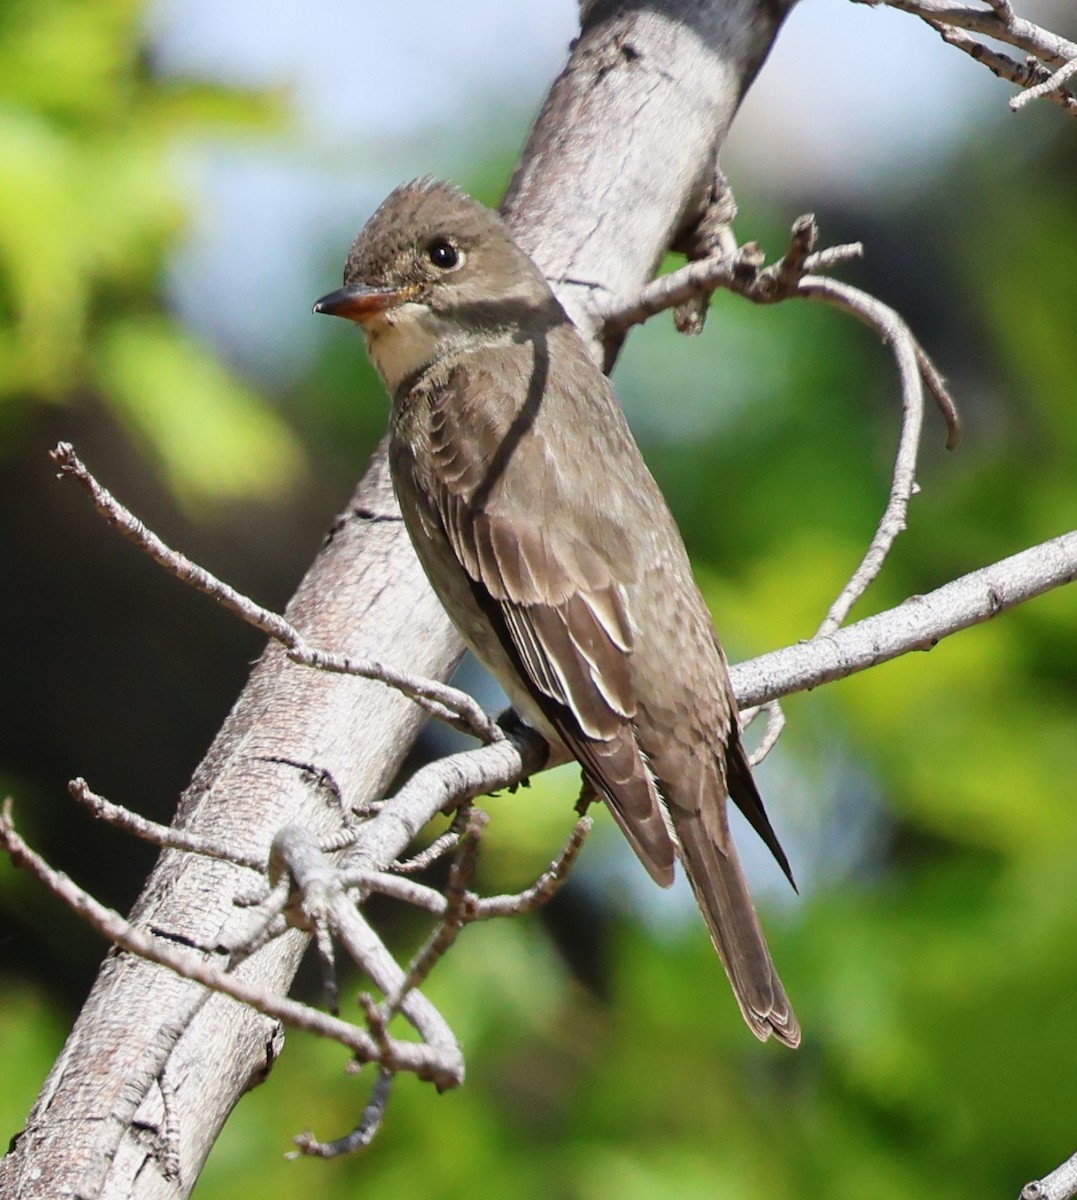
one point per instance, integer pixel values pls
(453, 919)
(1053, 58)
(170, 1131)
(1061, 1184)
(1052, 84)
(920, 623)
(936, 385)
(893, 330)
(361, 941)
(362, 1135)
(791, 276)
(407, 891)
(543, 889)
(263, 922)
(775, 726)
(454, 707)
(1029, 74)
(706, 276)
(159, 835)
(440, 846)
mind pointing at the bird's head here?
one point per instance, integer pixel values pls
(431, 270)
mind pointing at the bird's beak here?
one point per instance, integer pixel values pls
(359, 303)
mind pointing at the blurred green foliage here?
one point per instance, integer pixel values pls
(935, 972)
(89, 206)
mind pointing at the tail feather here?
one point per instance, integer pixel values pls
(745, 795)
(722, 894)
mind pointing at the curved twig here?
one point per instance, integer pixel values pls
(893, 330)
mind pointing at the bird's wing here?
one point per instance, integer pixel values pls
(557, 607)
(570, 645)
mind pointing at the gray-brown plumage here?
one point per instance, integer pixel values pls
(550, 545)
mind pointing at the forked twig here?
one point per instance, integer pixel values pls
(775, 726)
(543, 889)
(1053, 86)
(438, 847)
(1052, 59)
(453, 919)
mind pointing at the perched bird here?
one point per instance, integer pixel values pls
(553, 551)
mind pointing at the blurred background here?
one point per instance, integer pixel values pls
(179, 180)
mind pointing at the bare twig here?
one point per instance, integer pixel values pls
(775, 725)
(700, 279)
(159, 835)
(920, 623)
(448, 704)
(453, 919)
(1029, 74)
(1061, 1184)
(262, 923)
(790, 276)
(903, 484)
(362, 1135)
(543, 889)
(936, 385)
(395, 888)
(170, 1129)
(438, 847)
(1052, 86)
(1053, 59)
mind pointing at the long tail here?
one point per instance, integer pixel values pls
(722, 894)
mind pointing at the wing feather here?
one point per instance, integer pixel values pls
(560, 614)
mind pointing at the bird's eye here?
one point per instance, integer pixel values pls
(443, 254)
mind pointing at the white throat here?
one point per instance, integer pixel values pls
(405, 339)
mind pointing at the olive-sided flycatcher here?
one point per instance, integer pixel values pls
(553, 551)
